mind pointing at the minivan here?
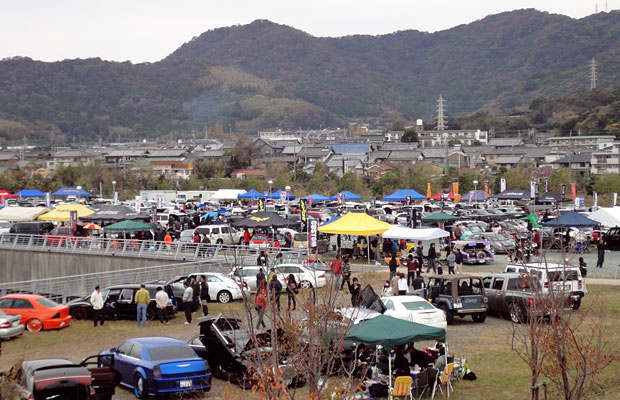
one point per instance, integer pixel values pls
(220, 234)
(32, 228)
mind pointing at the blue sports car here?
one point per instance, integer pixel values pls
(159, 365)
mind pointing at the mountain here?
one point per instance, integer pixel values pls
(265, 75)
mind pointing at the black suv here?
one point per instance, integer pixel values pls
(458, 295)
(118, 303)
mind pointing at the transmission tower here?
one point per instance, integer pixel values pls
(441, 117)
(593, 64)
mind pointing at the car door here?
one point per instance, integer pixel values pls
(248, 275)
(24, 308)
(123, 362)
(125, 307)
(215, 285)
(6, 305)
(495, 294)
(390, 308)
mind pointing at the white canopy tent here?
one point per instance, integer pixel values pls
(402, 232)
(227, 194)
(21, 214)
(608, 217)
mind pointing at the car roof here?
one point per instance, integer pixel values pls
(33, 365)
(133, 286)
(27, 296)
(454, 277)
(400, 299)
(503, 274)
(150, 342)
(550, 266)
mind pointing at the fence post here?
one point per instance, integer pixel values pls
(65, 292)
(176, 255)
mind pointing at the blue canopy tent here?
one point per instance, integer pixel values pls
(30, 193)
(251, 194)
(70, 191)
(571, 219)
(278, 194)
(474, 195)
(402, 194)
(332, 219)
(316, 197)
(215, 214)
(349, 196)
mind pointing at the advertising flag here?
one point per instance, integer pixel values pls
(532, 190)
(428, 190)
(48, 200)
(261, 204)
(502, 185)
(595, 201)
(138, 201)
(573, 190)
(615, 199)
(455, 188)
(486, 190)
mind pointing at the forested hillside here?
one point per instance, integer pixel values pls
(264, 75)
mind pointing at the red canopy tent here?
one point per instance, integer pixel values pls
(7, 195)
(438, 195)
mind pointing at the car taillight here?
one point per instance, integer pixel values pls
(321, 276)
(531, 300)
(57, 315)
(156, 372)
(579, 284)
(5, 325)
(546, 285)
(207, 368)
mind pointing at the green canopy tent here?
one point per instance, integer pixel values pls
(390, 332)
(127, 226)
(439, 217)
(533, 220)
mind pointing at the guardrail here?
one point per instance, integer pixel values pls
(66, 288)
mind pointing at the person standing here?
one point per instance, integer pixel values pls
(394, 282)
(188, 296)
(168, 240)
(96, 299)
(431, 258)
(336, 268)
(278, 259)
(204, 295)
(418, 282)
(162, 300)
(275, 288)
(451, 259)
(261, 282)
(142, 299)
(411, 268)
(419, 254)
(291, 291)
(195, 293)
(355, 290)
(393, 266)
(262, 259)
(402, 284)
(600, 248)
(345, 271)
(458, 261)
(246, 237)
(259, 305)
(583, 267)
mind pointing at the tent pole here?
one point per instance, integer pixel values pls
(368, 248)
(448, 379)
(390, 368)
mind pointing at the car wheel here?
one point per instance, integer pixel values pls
(482, 256)
(577, 304)
(34, 325)
(138, 386)
(479, 317)
(449, 314)
(150, 314)
(305, 284)
(516, 313)
(224, 296)
(79, 314)
(219, 241)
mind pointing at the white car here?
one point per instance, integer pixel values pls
(415, 309)
(305, 277)
(221, 287)
(5, 226)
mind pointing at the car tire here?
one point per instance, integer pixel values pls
(150, 314)
(138, 386)
(219, 241)
(481, 256)
(224, 297)
(34, 325)
(576, 304)
(479, 317)
(516, 313)
(449, 314)
(79, 314)
(305, 285)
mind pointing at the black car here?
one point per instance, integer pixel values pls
(612, 239)
(118, 303)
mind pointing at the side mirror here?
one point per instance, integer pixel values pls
(230, 345)
(114, 350)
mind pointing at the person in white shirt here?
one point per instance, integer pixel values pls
(402, 284)
(188, 301)
(96, 299)
(162, 300)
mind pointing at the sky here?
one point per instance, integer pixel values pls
(149, 30)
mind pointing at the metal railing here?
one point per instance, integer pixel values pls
(66, 288)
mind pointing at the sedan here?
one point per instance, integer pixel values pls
(500, 242)
(415, 309)
(222, 288)
(37, 312)
(305, 277)
(10, 325)
(159, 366)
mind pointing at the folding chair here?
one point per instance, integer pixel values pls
(445, 379)
(425, 380)
(402, 387)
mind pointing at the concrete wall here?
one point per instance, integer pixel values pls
(20, 265)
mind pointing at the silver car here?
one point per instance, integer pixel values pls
(10, 325)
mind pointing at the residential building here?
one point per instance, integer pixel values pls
(606, 161)
(579, 164)
(443, 137)
(579, 141)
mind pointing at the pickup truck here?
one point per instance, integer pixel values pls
(515, 294)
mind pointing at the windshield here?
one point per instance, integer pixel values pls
(417, 305)
(45, 302)
(170, 353)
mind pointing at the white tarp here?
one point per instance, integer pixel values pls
(21, 214)
(401, 232)
(227, 194)
(608, 217)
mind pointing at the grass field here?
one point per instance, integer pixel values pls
(501, 374)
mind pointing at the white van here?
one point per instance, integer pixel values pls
(220, 234)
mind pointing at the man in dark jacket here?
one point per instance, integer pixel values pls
(600, 248)
(419, 254)
(354, 289)
(393, 265)
(261, 283)
(275, 288)
(431, 259)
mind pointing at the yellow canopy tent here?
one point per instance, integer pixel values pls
(62, 212)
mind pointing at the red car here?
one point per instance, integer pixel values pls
(62, 235)
(37, 312)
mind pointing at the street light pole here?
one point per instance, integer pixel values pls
(475, 182)
(79, 190)
(270, 183)
(113, 192)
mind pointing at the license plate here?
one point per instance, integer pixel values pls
(470, 301)
(186, 383)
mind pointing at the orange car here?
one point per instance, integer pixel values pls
(37, 312)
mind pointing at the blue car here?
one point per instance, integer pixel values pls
(159, 366)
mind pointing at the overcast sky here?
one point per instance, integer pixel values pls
(149, 30)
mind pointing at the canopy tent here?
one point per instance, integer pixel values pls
(316, 197)
(251, 194)
(63, 212)
(571, 219)
(349, 196)
(71, 191)
(608, 217)
(449, 195)
(21, 214)
(215, 214)
(116, 213)
(30, 193)
(475, 195)
(360, 224)
(227, 194)
(7, 195)
(439, 217)
(127, 226)
(552, 197)
(532, 218)
(402, 194)
(513, 195)
(277, 195)
(262, 219)
(401, 232)
(332, 219)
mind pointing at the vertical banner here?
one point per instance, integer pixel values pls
(486, 191)
(20, 196)
(457, 198)
(312, 232)
(115, 201)
(373, 202)
(615, 199)
(594, 201)
(154, 214)
(573, 190)
(160, 202)
(283, 195)
(343, 197)
(48, 200)
(532, 190)
(310, 201)
(73, 217)
(339, 199)
(261, 204)
(428, 190)
(303, 210)
(138, 201)
(455, 189)
(2, 202)
(563, 192)
(502, 185)
(546, 185)
(412, 217)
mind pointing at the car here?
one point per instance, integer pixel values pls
(32, 228)
(5, 227)
(10, 325)
(415, 309)
(118, 303)
(220, 234)
(458, 296)
(159, 366)
(474, 252)
(59, 378)
(500, 242)
(612, 238)
(355, 315)
(222, 288)
(260, 241)
(62, 235)
(187, 236)
(305, 277)
(37, 312)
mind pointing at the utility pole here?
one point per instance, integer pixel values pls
(593, 77)
(441, 119)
